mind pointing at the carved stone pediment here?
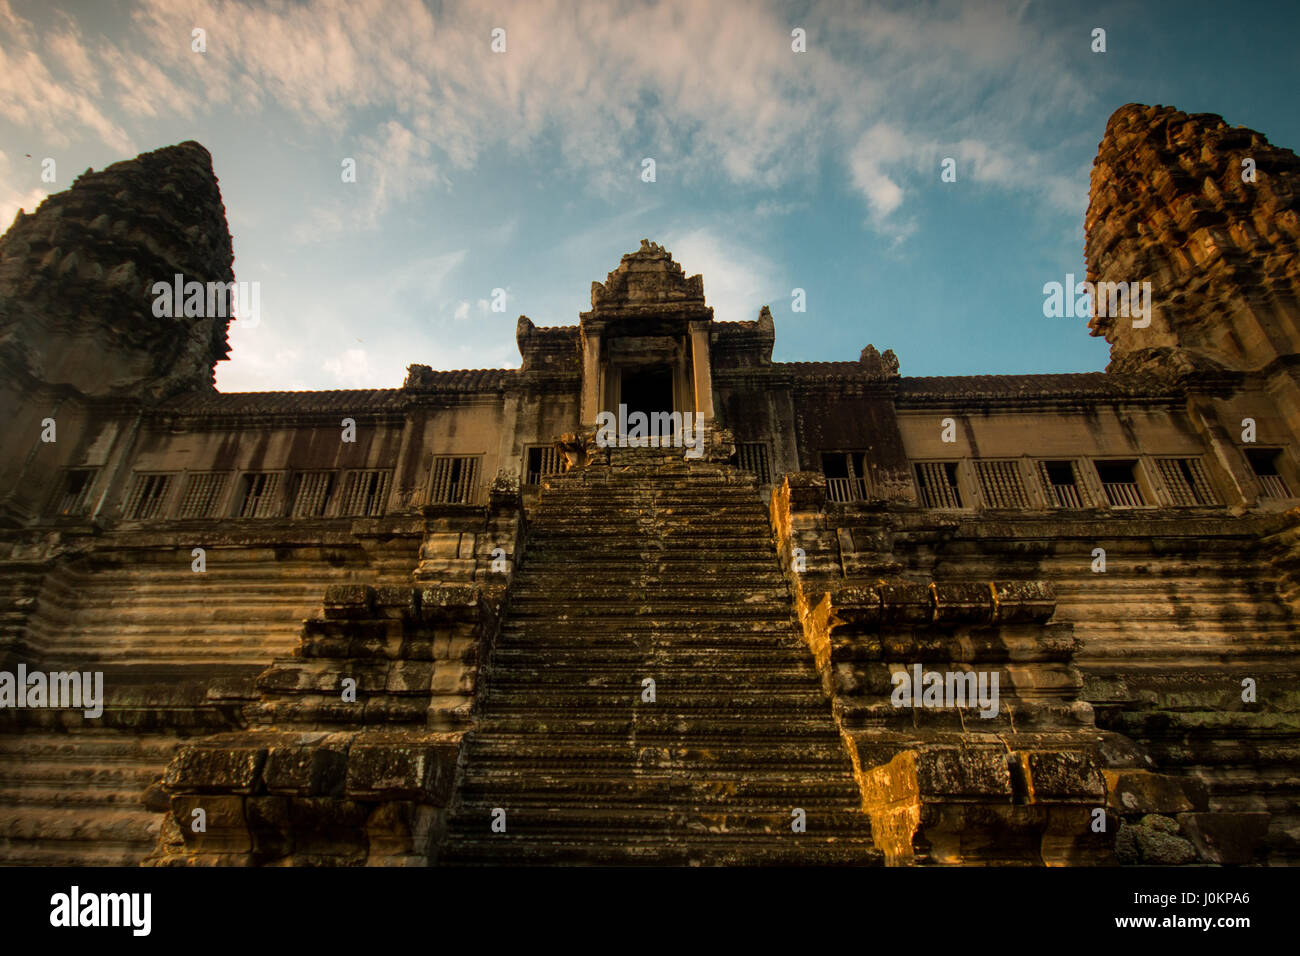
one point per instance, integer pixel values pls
(646, 277)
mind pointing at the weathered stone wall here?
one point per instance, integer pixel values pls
(354, 742)
(1156, 643)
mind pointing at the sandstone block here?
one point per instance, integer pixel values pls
(1020, 601)
(403, 767)
(315, 766)
(1225, 838)
(216, 765)
(963, 602)
(225, 827)
(1062, 776)
(1141, 791)
(348, 601)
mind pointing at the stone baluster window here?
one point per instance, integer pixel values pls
(542, 460)
(1063, 485)
(364, 493)
(73, 495)
(1264, 463)
(1187, 482)
(845, 475)
(146, 497)
(258, 495)
(1120, 483)
(453, 480)
(938, 483)
(752, 457)
(1001, 485)
(311, 493)
(202, 495)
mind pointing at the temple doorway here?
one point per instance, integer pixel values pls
(647, 389)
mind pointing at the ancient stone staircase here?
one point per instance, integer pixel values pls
(71, 789)
(1166, 645)
(79, 799)
(651, 567)
(147, 608)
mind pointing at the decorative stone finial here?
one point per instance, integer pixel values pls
(646, 276)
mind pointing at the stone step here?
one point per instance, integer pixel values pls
(682, 632)
(102, 747)
(88, 770)
(650, 787)
(74, 799)
(76, 792)
(1221, 648)
(659, 530)
(763, 610)
(591, 599)
(666, 819)
(626, 492)
(652, 850)
(669, 675)
(580, 772)
(579, 739)
(78, 852)
(670, 572)
(671, 711)
(627, 658)
(1201, 611)
(520, 735)
(681, 562)
(567, 648)
(594, 582)
(121, 826)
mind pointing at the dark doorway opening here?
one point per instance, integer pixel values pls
(647, 390)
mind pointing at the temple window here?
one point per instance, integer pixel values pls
(1264, 463)
(145, 500)
(1001, 484)
(311, 493)
(540, 461)
(453, 480)
(938, 484)
(1119, 482)
(1063, 485)
(1187, 482)
(257, 495)
(364, 493)
(845, 473)
(74, 491)
(202, 495)
(752, 457)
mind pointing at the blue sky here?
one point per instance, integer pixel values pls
(521, 170)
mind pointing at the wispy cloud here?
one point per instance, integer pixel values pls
(523, 166)
(30, 96)
(705, 88)
(12, 197)
(737, 279)
(303, 324)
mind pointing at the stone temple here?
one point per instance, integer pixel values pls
(441, 624)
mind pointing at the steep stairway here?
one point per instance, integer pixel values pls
(147, 608)
(78, 799)
(652, 567)
(71, 789)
